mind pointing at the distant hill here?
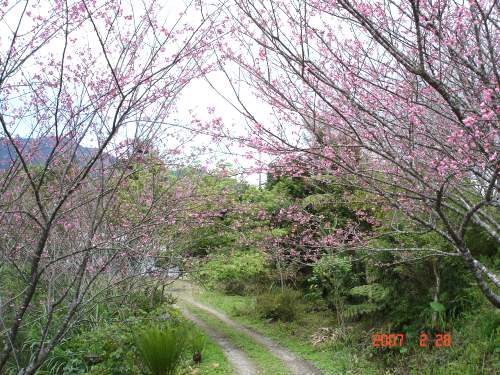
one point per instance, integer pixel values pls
(38, 150)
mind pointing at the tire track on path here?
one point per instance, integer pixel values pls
(240, 362)
(296, 365)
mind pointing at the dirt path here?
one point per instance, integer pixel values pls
(240, 362)
(296, 365)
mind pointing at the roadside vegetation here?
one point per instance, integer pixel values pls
(327, 306)
(294, 261)
(313, 337)
(140, 334)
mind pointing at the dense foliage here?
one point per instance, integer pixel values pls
(362, 290)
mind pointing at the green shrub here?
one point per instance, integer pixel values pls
(280, 305)
(234, 274)
(161, 348)
(332, 278)
(107, 349)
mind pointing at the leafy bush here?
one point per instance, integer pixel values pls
(106, 349)
(161, 348)
(280, 305)
(332, 279)
(234, 274)
(332, 274)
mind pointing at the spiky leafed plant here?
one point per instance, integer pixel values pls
(161, 348)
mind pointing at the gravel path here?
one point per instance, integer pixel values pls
(240, 362)
(296, 365)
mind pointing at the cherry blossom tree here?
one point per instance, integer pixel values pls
(399, 98)
(84, 85)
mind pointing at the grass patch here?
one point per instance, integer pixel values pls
(475, 348)
(267, 363)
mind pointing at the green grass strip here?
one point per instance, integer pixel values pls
(267, 363)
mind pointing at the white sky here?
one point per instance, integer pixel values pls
(198, 96)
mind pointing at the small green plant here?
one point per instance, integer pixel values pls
(161, 348)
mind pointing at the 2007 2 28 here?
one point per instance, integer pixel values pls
(439, 340)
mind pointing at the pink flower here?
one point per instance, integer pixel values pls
(469, 121)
